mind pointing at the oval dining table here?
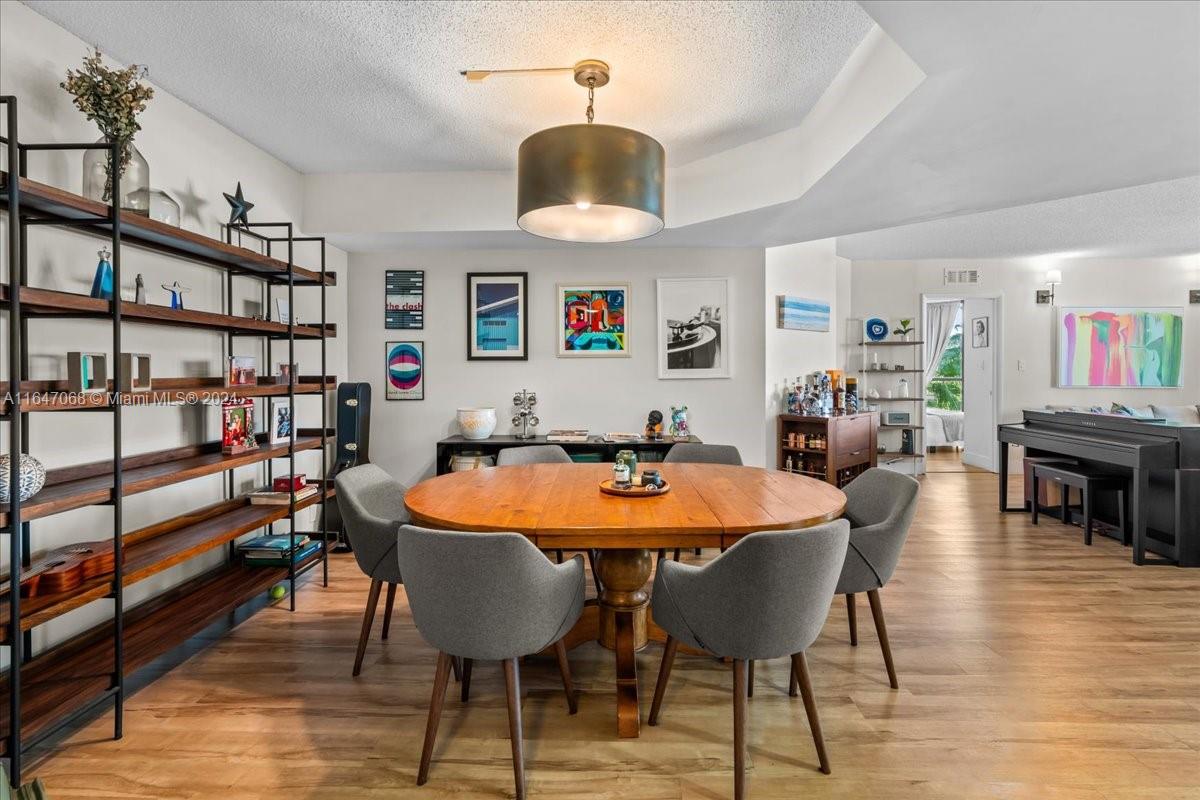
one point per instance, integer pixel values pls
(560, 506)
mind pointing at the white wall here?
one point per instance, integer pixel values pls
(189, 155)
(890, 288)
(812, 270)
(606, 394)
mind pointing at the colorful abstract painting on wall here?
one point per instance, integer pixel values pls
(405, 370)
(1135, 347)
(593, 320)
(802, 314)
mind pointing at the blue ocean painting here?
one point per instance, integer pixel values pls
(803, 314)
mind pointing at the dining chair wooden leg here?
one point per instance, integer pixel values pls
(595, 575)
(564, 669)
(662, 553)
(739, 729)
(466, 679)
(456, 667)
(698, 551)
(387, 610)
(664, 675)
(368, 621)
(881, 629)
(558, 555)
(677, 551)
(852, 615)
(512, 686)
(800, 672)
(441, 678)
(793, 682)
(750, 679)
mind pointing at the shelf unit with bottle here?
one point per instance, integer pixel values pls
(871, 370)
(58, 685)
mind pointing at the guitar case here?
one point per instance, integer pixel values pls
(353, 440)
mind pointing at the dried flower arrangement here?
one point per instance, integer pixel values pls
(112, 99)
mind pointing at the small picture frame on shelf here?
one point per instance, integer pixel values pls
(87, 372)
(283, 311)
(281, 420)
(237, 427)
(286, 373)
(242, 371)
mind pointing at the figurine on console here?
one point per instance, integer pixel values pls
(679, 424)
(654, 426)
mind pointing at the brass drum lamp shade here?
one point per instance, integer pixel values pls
(590, 183)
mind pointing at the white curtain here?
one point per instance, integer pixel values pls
(939, 325)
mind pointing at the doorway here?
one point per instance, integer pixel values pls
(962, 345)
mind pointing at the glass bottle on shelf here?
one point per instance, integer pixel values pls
(135, 179)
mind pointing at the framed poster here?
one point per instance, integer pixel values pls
(281, 420)
(404, 299)
(405, 370)
(593, 320)
(1140, 348)
(695, 328)
(497, 321)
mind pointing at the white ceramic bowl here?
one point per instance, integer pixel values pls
(477, 423)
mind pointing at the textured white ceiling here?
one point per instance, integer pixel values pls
(1158, 219)
(374, 86)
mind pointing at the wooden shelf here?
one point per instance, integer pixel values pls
(72, 675)
(894, 400)
(904, 427)
(809, 450)
(142, 231)
(47, 302)
(151, 550)
(889, 344)
(91, 484)
(56, 395)
(891, 371)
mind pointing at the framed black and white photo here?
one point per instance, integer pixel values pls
(979, 332)
(404, 299)
(497, 316)
(695, 328)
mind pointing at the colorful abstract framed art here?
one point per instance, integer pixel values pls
(405, 370)
(1138, 348)
(592, 320)
(497, 316)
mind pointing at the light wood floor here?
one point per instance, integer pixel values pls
(1030, 667)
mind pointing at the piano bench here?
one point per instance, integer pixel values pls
(1088, 481)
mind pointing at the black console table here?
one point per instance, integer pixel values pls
(647, 450)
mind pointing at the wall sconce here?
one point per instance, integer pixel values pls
(1194, 296)
(1046, 296)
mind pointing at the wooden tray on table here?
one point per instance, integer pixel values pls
(607, 487)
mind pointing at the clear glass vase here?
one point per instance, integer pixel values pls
(135, 179)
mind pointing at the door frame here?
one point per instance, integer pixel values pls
(997, 333)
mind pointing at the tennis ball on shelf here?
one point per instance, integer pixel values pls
(278, 592)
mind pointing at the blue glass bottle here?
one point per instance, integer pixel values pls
(102, 284)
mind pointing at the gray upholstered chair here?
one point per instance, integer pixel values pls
(880, 505)
(489, 596)
(767, 596)
(533, 454)
(371, 504)
(695, 453)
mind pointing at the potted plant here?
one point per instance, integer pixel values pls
(113, 98)
(903, 329)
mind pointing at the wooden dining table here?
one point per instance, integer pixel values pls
(560, 506)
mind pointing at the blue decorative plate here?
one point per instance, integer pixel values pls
(875, 329)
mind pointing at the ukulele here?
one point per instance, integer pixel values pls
(66, 568)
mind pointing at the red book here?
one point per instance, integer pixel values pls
(287, 483)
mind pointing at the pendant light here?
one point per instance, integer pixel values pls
(590, 182)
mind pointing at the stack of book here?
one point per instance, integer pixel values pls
(273, 550)
(567, 435)
(266, 497)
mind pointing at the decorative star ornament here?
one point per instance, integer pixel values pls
(239, 207)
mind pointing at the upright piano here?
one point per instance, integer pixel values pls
(1161, 459)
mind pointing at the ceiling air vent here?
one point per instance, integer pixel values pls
(960, 277)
